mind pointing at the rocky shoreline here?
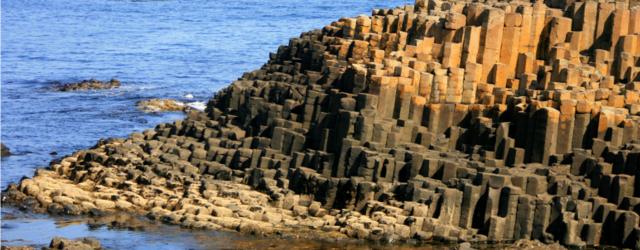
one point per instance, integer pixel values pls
(448, 121)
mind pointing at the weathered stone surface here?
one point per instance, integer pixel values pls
(161, 105)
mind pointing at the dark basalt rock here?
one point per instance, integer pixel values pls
(91, 84)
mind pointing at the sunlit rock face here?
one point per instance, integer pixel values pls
(443, 120)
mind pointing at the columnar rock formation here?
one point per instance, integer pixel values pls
(445, 120)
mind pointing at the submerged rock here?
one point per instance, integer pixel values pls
(437, 121)
(17, 248)
(4, 150)
(91, 84)
(86, 243)
(61, 243)
(533, 245)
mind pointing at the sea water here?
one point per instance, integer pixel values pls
(184, 50)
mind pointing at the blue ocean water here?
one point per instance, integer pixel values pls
(156, 48)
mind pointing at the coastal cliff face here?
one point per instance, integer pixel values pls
(443, 120)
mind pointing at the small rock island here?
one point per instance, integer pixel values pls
(91, 84)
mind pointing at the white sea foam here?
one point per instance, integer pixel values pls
(188, 96)
(201, 106)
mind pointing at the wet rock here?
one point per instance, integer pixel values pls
(532, 244)
(87, 243)
(91, 84)
(4, 150)
(465, 246)
(17, 248)
(161, 105)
